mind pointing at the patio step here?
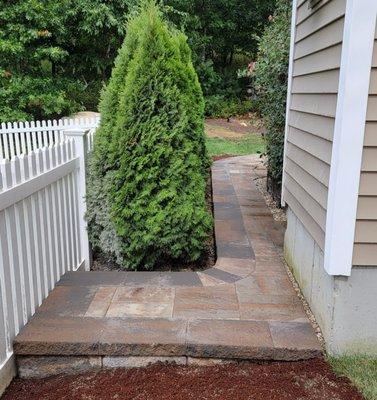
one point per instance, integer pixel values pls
(244, 308)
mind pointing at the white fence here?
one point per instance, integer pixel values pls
(18, 138)
(42, 228)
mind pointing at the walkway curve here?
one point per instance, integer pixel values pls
(243, 308)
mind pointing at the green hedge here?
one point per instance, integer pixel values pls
(271, 75)
(147, 174)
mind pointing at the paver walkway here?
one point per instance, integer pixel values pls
(245, 307)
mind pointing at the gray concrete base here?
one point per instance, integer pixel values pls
(7, 373)
(345, 307)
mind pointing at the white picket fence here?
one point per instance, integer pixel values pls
(18, 138)
(42, 227)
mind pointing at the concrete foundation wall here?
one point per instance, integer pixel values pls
(345, 307)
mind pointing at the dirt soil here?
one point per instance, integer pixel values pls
(312, 380)
(234, 128)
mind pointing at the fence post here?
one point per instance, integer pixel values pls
(80, 139)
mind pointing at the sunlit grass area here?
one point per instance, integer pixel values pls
(361, 370)
(250, 144)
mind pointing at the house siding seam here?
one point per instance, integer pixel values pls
(315, 80)
(365, 247)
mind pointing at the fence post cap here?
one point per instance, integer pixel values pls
(76, 131)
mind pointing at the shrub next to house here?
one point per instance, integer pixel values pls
(148, 171)
(271, 74)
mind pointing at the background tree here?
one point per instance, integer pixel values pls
(149, 164)
(55, 54)
(271, 75)
(223, 35)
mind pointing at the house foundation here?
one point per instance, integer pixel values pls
(345, 307)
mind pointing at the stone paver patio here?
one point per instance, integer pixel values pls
(243, 308)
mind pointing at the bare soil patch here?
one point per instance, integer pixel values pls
(311, 380)
(234, 128)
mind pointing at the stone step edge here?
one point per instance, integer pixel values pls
(203, 350)
(46, 366)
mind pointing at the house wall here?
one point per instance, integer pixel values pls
(315, 79)
(345, 307)
(365, 248)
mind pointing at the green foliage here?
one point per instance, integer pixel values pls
(271, 75)
(27, 56)
(63, 51)
(223, 37)
(219, 30)
(220, 107)
(25, 97)
(146, 189)
(55, 55)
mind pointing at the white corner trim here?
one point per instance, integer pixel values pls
(355, 70)
(289, 89)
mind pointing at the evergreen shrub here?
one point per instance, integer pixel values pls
(148, 171)
(271, 76)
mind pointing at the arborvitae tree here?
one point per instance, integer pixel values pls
(148, 170)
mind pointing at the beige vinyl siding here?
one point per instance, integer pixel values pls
(371, 133)
(315, 81)
(321, 82)
(324, 60)
(320, 17)
(309, 163)
(365, 249)
(315, 124)
(326, 37)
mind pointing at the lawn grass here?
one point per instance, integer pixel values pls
(361, 370)
(250, 144)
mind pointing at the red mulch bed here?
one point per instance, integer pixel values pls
(311, 380)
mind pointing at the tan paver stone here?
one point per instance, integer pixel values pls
(269, 268)
(142, 310)
(60, 336)
(229, 339)
(272, 312)
(274, 283)
(149, 301)
(67, 301)
(248, 285)
(231, 232)
(236, 266)
(295, 339)
(217, 302)
(249, 297)
(143, 337)
(97, 309)
(101, 302)
(105, 293)
(209, 280)
(147, 294)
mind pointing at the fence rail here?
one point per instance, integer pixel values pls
(42, 227)
(18, 138)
